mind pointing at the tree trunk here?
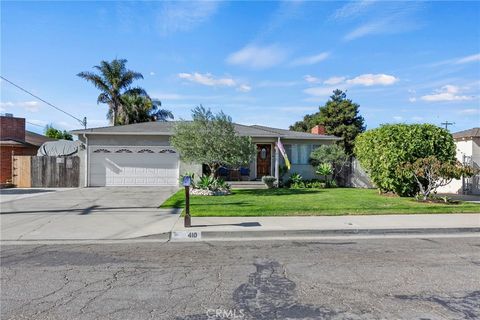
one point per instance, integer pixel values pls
(114, 115)
(213, 169)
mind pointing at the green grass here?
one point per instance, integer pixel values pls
(304, 202)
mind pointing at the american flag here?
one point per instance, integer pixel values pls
(284, 154)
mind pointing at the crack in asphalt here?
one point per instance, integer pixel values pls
(466, 306)
(269, 294)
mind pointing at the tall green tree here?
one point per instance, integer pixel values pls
(383, 150)
(113, 80)
(54, 133)
(340, 117)
(211, 139)
(141, 108)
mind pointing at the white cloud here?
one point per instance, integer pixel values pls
(334, 80)
(258, 57)
(309, 60)
(417, 118)
(398, 118)
(244, 88)
(152, 73)
(388, 18)
(366, 29)
(6, 104)
(467, 59)
(207, 79)
(29, 106)
(446, 93)
(184, 15)
(352, 8)
(344, 83)
(412, 99)
(311, 79)
(373, 79)
(470, 111)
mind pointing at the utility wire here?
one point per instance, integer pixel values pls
(83, 122)
(34, 124)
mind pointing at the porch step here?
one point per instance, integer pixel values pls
(247, 184)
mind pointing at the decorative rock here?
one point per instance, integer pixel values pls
(204, 192)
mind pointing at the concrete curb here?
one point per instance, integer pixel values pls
(291, 234)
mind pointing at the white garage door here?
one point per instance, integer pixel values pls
(133, 166)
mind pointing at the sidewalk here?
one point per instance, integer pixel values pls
(310, 226)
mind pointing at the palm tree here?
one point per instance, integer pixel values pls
(141, 108)
(113, 80)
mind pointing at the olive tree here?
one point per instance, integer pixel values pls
(430, 173)
(383, 150)
(331, 154)
(211, 139)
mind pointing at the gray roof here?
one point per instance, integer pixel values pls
(167, 128)
(36, 139)
(470, 133)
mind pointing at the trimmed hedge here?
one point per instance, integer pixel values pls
(382, 150)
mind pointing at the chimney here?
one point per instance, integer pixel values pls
(12, 128)
(318, 129)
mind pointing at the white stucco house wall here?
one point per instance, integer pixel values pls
(468, 152)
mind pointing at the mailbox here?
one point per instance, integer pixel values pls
(187, 180)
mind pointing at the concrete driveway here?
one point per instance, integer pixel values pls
(88, 214)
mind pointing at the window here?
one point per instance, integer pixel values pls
(263, 154)
(299, 153)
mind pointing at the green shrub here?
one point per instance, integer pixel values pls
(382, 150)
(297, 185)
(308, 184)
(212, 184)
(315, 184)
(296, 177)
(269, 181)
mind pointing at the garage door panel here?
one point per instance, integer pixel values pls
(133, 169)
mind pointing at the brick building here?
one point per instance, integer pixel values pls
(15, 140)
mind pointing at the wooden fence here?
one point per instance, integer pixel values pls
(21, 174)
(46, 171)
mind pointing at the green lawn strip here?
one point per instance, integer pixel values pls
(308, 202)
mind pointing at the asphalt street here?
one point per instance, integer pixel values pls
(429, 278)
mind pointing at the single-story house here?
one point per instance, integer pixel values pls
(141, 155)
(16, 141)
(467, 144)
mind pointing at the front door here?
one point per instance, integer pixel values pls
(264, 162)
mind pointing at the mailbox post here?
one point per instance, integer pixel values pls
(187, 180)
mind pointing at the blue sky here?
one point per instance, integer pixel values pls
(260, 62)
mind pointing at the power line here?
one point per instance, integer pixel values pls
(83, 122)
(446, 124)
(34, 124)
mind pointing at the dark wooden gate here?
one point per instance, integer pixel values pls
(55, 172)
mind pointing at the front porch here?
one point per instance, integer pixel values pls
(263, 164)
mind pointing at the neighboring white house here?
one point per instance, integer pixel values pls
(468, 152)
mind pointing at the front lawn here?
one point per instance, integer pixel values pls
(305, 202)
